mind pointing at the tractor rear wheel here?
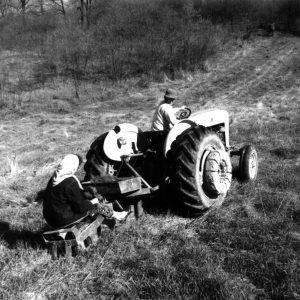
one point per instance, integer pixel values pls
(200, 170)
(98, 164)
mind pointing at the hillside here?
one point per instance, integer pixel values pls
(247, 249)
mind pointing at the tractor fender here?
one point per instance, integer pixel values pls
(122, 140)
(176, 131)
(206, 119)
(210, 118)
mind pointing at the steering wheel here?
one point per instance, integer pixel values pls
(184, 114)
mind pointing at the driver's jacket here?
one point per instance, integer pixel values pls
(164, 117)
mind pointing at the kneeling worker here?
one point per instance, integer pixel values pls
(64, 202)
(164, 117)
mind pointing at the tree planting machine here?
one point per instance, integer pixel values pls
(191, 163)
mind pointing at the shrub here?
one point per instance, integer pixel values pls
(70, 49)
(15, 34)
(142, 38)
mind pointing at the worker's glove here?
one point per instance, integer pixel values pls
(103, 210)
(95, 201)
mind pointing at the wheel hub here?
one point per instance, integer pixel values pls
(111, 170)
(252, 165)
(217, 173)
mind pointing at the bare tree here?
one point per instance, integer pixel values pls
(38, 7)
(23, 4)
(4, 7)
(85, 8)
(42, 8)
(60, 6)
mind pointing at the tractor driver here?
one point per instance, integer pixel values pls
(164, 117)
(65, 202)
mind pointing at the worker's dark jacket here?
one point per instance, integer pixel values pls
(65, 203)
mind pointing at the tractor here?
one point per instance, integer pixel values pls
(190, 164)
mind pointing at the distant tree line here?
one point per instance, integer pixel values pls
(115, 39)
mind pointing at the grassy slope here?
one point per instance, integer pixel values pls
(246, 249)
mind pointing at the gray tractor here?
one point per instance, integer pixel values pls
(191, 163)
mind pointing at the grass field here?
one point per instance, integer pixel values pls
(246, 249)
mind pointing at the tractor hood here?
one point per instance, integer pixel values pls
(206, 118)
(210, 118)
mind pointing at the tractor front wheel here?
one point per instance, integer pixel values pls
(248, 164)
(200, 170)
